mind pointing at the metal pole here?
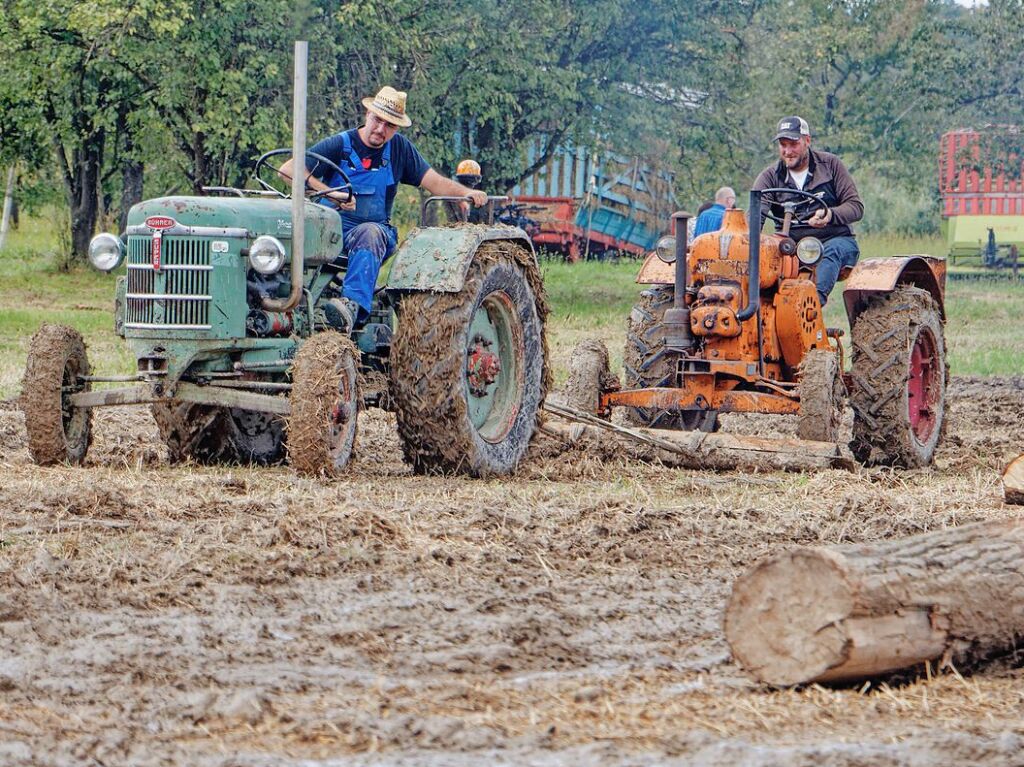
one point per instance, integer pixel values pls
(298, 182)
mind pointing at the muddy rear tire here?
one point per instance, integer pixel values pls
(647, 365)
(58, 432)
(899, 379)
(822, 396)
(468, 369)
(325, 405)
(217, 435)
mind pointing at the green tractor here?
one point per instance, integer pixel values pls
(220, 300)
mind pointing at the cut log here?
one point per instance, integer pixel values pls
(691, 449)
(852, 612)
(1013, 481)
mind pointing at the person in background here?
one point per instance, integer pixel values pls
(711, 219)
(691, 227)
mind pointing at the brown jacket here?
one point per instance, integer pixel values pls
(829, 180)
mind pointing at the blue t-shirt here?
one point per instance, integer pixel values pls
(407, 164)
(710, 220)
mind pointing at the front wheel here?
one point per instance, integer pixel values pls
(58, 432)
(648, 365)
(325, 404)
(468, 369)
(822, 396)
(899, 379)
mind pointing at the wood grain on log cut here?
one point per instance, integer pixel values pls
(852, 612)
(1013, 481)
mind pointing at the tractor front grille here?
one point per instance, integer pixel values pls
(175, 296)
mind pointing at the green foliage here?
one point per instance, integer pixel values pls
(892, 207)
(95, 91)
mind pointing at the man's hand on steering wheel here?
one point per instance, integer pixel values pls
(340, 200)
(822, 217)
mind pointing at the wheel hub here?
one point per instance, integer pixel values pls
(482, 367)
(923, 388)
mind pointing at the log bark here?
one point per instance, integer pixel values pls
(702, 450)
(1013, 482)
(852, 612)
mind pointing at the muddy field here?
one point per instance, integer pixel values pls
(152, 615)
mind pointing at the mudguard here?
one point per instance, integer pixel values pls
(437, 258)
(882, 275)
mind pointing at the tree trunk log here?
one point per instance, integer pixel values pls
(701, 450)
(852, 612)
(1013, 481)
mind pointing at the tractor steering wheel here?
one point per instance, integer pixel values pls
(801, 209)
(263, 166)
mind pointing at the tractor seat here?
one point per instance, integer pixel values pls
(844, 273)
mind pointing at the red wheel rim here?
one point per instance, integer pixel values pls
(924, 386)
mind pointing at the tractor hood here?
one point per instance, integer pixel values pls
(254, 215)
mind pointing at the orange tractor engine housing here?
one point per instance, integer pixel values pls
(735, 365)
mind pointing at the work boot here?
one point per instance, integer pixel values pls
(340, 314)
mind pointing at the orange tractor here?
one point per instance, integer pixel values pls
(733, 324)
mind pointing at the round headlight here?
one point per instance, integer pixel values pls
(106, 252)
(266, 255)
(666, 249)
(808, 251)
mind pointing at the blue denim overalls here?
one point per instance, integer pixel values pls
(369, 237)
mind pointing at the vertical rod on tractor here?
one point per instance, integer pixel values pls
(677, 319)
(298, 184)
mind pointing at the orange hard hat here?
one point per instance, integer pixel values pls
(468, 168)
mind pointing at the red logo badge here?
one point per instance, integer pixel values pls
(160, 222)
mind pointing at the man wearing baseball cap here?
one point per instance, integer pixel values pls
(823, 175)
(376, 158)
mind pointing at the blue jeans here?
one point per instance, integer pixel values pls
(838, 252)
(368, 245)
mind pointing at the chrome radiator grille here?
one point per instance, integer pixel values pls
(175, 296)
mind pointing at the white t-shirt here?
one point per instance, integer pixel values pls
(799, 177)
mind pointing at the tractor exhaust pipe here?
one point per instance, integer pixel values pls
(677, 319)
(754, 263)
(298, 184)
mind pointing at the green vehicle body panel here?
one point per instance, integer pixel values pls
(257, 216)
(208, 333)
(189, 316)
(968, 235)
(437, 259)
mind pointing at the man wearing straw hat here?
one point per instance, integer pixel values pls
(376, 158)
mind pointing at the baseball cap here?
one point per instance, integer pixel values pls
(792, 128)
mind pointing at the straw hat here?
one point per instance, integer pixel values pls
(389, 105)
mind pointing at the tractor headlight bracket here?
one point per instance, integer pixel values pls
(266, 255)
